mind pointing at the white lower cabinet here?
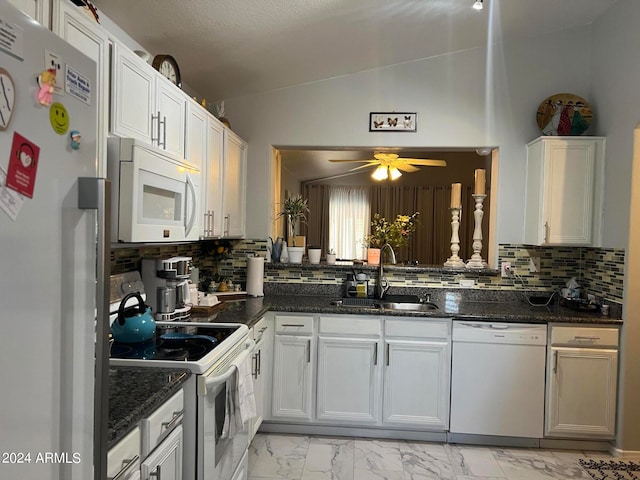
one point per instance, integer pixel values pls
(349, 370)
(371, 371)
(123, 459)
(259, 374)
(165, 462)
(582, 372)
(293, 367)
(417, 373)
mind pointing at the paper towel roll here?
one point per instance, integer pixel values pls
(255, 276)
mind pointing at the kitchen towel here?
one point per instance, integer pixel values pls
(240, 401)
(255, 276)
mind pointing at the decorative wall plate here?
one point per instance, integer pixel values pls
(564, 114)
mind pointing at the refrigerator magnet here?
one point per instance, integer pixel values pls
(75, 139)
(46, 81)
(23, 165)
(59, 118)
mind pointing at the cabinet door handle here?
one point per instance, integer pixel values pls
(375, 354)
(259, 361)
(227, 223)
(308, 351)
(157, 473)
(388, 354)
(546, 232)
(127, 464)
(155, 139)
(164, 132)
(555, 362)
(254, 366)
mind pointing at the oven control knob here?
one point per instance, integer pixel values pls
(127, 287)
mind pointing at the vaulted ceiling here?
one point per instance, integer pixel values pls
(229, 48)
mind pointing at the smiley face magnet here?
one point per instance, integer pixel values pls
(59, 118)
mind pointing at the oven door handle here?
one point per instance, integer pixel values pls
(210, 382)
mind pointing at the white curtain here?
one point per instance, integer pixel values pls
(349, 218)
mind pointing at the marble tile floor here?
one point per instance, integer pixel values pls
(301, 457)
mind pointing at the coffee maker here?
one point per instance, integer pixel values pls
(166, 282)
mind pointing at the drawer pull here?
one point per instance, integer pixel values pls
(127, 464)
(298, 325)
(172, 423)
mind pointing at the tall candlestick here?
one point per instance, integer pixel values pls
(476, 260)
(454, 260)
(456, 192)
(480, 177)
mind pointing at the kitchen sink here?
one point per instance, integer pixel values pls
(408, 307)
(408, 303)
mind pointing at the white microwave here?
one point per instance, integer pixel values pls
(155, 195)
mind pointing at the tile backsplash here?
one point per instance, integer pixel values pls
(600, 271)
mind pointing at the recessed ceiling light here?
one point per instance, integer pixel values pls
(477, 5)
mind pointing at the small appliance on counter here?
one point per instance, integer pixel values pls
(166, 282)
(357, 285)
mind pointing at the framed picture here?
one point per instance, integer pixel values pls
(393, 122)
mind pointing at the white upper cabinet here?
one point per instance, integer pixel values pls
(235, 185)
(223, 158)
(144, 105)
(73, 25)
(564, 191)
(36, 9)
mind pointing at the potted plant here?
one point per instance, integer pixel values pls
(394, 233)
(295, 210)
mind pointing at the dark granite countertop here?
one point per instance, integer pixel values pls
(135, 393)
(452, 305)
(449, 308)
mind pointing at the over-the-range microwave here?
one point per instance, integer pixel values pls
(155, 195)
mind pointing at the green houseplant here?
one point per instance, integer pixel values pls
(295, 210)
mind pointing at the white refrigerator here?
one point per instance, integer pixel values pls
(51, 257)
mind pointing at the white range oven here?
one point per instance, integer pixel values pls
(210, 351)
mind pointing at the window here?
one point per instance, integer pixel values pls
(349, 217)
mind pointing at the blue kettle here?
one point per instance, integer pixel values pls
(134, 324)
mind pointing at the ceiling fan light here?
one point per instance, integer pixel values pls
(380, 173)
(477, 5)
(394, 173)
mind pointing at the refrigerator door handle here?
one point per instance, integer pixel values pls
(95, 194)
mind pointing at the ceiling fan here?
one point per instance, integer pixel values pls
(388, 165)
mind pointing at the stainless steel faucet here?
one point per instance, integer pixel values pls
(383, 283)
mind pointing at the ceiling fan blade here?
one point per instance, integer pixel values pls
(370, 164)
(423, 161)
(405, 167)
(368, 160)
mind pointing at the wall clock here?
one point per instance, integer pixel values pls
(168, 68)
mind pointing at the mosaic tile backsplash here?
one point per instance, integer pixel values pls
(600, 271)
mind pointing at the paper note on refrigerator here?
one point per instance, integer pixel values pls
(10, 200)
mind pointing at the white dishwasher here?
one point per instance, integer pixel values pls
(497, 382)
